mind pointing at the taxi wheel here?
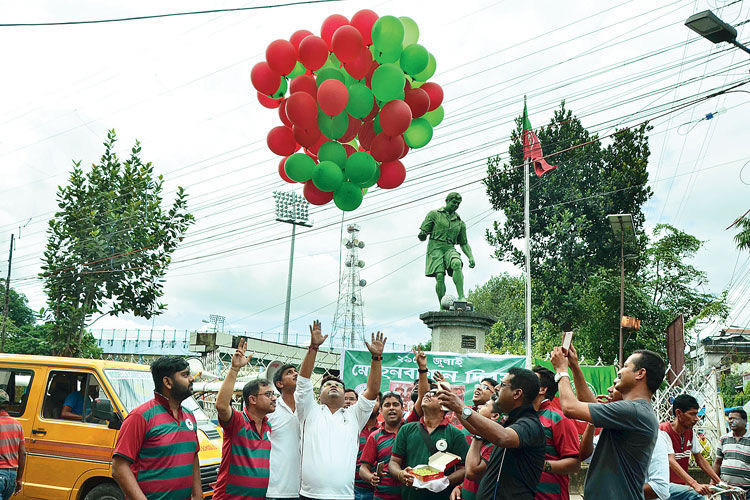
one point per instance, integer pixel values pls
(105, 491)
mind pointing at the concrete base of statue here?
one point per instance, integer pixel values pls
(458, 331)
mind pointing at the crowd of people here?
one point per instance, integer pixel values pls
(519, 437)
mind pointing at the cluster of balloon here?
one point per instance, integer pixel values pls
(352, 102)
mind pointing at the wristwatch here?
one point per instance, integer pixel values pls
(466, 412)
(560, 375)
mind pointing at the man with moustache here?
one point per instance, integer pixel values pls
(160, 435)
(733, 455)
(245, 453)
(483, 392)
(330, 431)
(283, 481)
(378, 449)
(350, 397)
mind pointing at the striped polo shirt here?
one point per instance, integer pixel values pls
(469, 488)
(735, 460)
(360, 483)
(161, 449)
(378, 449)
(561, 441)
(11, 437)
(245, 458)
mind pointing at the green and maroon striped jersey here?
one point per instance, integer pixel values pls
(363, 435)
(161, 449)
(561, 437)
(469, 488)
(378, 449)
(245, 454)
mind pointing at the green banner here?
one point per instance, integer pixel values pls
(599, 378)
(463, 371)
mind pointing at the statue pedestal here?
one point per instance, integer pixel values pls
(458, 331)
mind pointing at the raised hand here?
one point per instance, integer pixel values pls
(572, 356)
(316, 335)
(559, 360)
(451, 400)
(420, 357)
(239, 359)
(439, 377)
(377, 344)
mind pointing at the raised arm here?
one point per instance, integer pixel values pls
(423, 385)
(376, 347)
(505, 437)
(224, 397)
(583, 392)
(316, 340)
(571, 406)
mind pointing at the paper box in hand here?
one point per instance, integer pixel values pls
(436, 466)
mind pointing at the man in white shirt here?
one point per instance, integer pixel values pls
(330, 432)
(285, 458)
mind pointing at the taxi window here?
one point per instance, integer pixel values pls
(70, 396)
(17, 383)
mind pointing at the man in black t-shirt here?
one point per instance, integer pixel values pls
(515, 465)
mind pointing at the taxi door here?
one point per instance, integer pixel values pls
(63, 446)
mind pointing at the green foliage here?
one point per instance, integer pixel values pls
(742, 238)
(19, 313)
(728, 383)
(109, 245)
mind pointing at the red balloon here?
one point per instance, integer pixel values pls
(281, 56)
(373, 112)
(281, 141)
(298, 36)
(307, 136)
(332, 97)
(282, 114)
(435, 92)
(395, 117)
(304, 83)
(407, 85)
(346, 43)
(282, 172)
(373, 66)
(314, 195)
(406, 150)
(349, 149)
(387, 148)
(268, 102)
(360, 66)
(352, 130)
(265, 80)
(330, 25)
(314, 149)
(418, 100)
(313, 53)
(311, 155)
(302, 109)
(363, 21)
(392, 174)
(367, 134)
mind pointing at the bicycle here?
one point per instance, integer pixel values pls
(723, 491)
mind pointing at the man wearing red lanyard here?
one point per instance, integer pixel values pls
(160, 435)
(246, 451)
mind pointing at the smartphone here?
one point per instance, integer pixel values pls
(446, 387)
(567, 339)
(379, 470)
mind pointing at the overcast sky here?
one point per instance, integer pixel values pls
(181, 86)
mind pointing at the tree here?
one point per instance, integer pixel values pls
(19, 312)
(742, 238)
(503, 297)
(109, 244)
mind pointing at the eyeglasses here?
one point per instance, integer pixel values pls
(504, 384)
(484, 387)
(431, 393)
(268, 394)
(332, 383)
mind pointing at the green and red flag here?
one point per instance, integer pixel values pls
(532, 148)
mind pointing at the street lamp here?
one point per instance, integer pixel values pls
(710, 27)
(292, 209)
(621, 224)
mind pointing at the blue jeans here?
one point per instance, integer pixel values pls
(7, 483)
(683, 492)
(363, 494)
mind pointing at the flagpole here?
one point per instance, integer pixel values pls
(526, 163)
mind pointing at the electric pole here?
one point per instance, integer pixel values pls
(7, 295)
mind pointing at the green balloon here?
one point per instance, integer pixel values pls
(350, 80)
(388, 34)
(372, 181)
(348, 197)
(329, 73)
(418, 134)
(299, 167)
(333, 127)
(435, 116)
(387, 56)
(299, 69)
(376, 124)
(360, 167)
(428, 71)
(332, 61)
(411, 30)
(281, 90)
(332, 151)
(414, 59)
(327, 176)
(360, 101)
(388, 82)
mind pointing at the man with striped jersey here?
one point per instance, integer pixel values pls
(377, 449)
(245, 454)
(561, 452)
(364, 490)
(733, 455)
(156, 455)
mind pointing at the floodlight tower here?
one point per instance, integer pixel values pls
(292, 209)
(348, 322)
